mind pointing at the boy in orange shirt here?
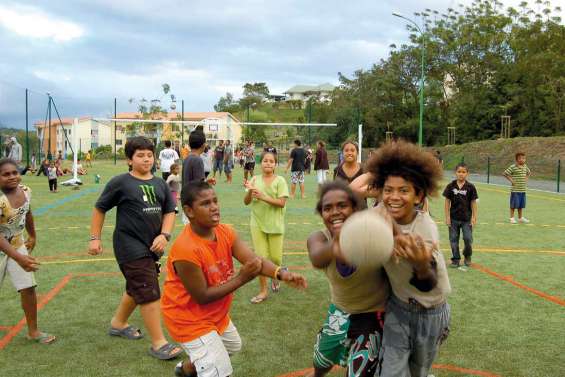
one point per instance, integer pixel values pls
(201, 279)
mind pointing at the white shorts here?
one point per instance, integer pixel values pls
(21, 279)
(210, 353)
(185, 219)
(322, 176)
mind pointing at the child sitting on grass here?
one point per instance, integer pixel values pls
(201, 279)
(417, 312)
(15, 216)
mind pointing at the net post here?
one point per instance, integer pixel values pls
(558, 174)
(115, 129)
(488, 169)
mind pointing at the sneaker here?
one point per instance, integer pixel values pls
(512, 220)
(454, 265)
(467, 261)
(523, 220)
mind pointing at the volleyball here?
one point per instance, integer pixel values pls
(366, 239)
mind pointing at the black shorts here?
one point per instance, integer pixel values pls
(142, 280)
(249, 166)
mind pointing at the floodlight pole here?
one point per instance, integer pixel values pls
(422, 78)
(182, 124)
(49, 155)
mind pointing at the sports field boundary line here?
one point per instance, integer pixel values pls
(448, 367)
(510, 279)
(530, 189)
(14, 330)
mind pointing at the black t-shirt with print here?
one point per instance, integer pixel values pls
(219, 153)
(460, 199)
(141, 205)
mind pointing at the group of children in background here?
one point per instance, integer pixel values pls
(390, 321)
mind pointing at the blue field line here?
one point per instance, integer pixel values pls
(42, 210)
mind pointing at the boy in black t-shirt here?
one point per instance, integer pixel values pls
(461, 214)
(144, 220)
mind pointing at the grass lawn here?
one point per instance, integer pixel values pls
(508, 312)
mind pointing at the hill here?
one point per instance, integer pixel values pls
(272, 112)
(542, 154)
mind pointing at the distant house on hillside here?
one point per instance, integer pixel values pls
(305, 92)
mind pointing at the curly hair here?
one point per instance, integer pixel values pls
(406, 160)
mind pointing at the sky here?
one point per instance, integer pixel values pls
(86, 53)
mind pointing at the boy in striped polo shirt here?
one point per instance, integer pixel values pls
(518, 175)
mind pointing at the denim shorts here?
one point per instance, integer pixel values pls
(517, 200)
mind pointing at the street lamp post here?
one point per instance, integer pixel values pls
(422, 78)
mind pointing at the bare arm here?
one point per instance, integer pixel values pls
(30, 229)
(360, 186)
(288, 164)
(320, 250)
(160, 242)
(278, 202)
(195, 283)
(27, 262)
(447, 207)
(507, 176)
(95, 246)
(245, 255)
(474, 212)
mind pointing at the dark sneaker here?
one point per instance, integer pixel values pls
(454, 265)
(467, 261)
(179, 372)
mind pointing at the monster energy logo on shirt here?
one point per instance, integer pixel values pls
(148, 194)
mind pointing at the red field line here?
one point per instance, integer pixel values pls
(44, 300)
(510, 279)
(451, 368)
(14, 330)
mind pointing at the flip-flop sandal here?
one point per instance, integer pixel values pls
(258, 299)
(43, 338)
(275, 286)
(129, 332)
(165, 352)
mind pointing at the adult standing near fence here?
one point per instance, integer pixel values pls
(15, 151)
(296, 163)
(167, 157)
(321, 163)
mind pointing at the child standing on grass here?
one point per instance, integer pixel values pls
(518, 174)
(461, 214)
(417, 312)
(200, 282)
(144, 221)
(52, 177)
(267, 193)
(15, 216)
(174, 181)
(353, 331)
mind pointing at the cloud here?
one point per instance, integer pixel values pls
(33, 22)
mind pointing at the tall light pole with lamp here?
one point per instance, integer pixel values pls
(422, 78)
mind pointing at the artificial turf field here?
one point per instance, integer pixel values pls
(508, 311)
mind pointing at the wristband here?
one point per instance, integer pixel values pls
(276, 274)
(166, 235)
(94, 237)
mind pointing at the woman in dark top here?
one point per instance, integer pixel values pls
(349, 169)
(321, 163)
